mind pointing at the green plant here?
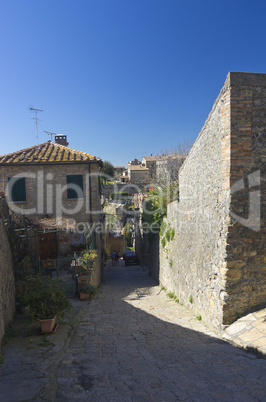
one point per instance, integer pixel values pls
(163, 287)
(172, 234)
(171, 295)
(163, 242)
(47, 299)
(199, 317)
(162, 228)
(171, 263)
(86, 259)
(119, 195)
(168, 235)
(9, 333)
(190, 299)
(88, 288)
(176, 299)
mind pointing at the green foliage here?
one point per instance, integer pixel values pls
(118, 196)
(163, 242)
(107, 171)
(172, 234)
(171, 263)
(88, 288)
(87, 257)
(155, 208)
(129, 231)
(9, 333)
(176, 299)
(168, 235)
(190, 299)
(43, 296)
(171, 295)
(162, 228)
(163, 288)
(199, 317)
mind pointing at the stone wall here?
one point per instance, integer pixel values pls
(7, 283)
(215, 263)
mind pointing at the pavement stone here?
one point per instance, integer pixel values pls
(132, 343)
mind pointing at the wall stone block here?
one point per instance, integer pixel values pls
(218, 252)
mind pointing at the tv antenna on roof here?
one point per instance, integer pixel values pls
(36, 121)
(50, 133)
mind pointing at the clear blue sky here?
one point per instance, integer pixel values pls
(121, 78)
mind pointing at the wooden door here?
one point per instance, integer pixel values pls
(48, 246)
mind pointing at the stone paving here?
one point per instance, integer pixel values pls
(131, 342)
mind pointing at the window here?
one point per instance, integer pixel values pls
(17, 189)
(74, 186)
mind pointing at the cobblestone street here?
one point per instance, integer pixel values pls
(132, 343)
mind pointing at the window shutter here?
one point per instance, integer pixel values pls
(17, 189)
(76, 179)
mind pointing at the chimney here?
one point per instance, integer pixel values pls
(61, 140)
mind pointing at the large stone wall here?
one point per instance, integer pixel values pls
(7, 283)
(216, 262)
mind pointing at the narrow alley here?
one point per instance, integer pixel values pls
(131, 342)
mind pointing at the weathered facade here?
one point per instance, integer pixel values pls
(138, 174)
(216, 262)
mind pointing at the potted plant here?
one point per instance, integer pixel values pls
(46, 301)
(86, 291)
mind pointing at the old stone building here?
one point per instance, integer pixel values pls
(214, 258)
(150, 163)
(138, 174)
(57, 189)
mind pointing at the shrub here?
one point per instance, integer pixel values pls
(163, 242)
(162, 228)
(88, 288)
(43, 296)
(118, 195)
(172, 234)
(167, 235)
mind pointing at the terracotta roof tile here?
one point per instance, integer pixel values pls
(48, 152)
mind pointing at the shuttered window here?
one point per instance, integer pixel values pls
(74, 186)
(17, 189)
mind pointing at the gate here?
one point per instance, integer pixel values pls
(63, 268)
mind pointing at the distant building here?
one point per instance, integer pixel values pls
(163, 166)
(124, 177)
(135, 162)
(150, 163)
(119, 169)
(138, 174)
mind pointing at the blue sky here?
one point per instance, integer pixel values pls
(121, 78)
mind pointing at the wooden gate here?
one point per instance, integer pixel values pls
(47, 245)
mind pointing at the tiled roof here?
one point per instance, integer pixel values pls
(150, 158)
(48, 152)
(138, 167)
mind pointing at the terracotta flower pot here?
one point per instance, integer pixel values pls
(84, 296)
(48, 326)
